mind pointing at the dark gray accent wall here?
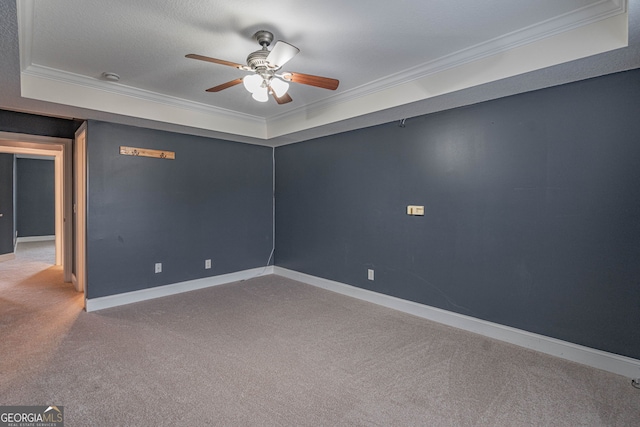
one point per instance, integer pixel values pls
(532, 211)
(11, 121)
(214, 201)
(6, 203)
(35, 197)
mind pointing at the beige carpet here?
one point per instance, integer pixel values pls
(271, 351)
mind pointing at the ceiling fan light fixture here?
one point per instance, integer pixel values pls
(252, 82)
(264, 64)
(279, 87)
(261, 95)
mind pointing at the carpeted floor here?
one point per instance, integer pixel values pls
(272, 351)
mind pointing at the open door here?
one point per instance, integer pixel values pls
(80, 208)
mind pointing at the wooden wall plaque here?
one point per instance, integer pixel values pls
(147, 152)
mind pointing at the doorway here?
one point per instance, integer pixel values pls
(61, 150)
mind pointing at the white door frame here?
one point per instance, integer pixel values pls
(80, 209)
(61, 150)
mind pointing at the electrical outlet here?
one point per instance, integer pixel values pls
(158, 267)
(207, 264)
(370, 274)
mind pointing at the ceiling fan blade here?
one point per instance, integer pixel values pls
(281, 53)
(308, 79)
(215, 61)
(225, 85)
(281, 99)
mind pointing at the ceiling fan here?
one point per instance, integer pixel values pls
(266, 64)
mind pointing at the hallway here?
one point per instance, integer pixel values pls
(35, 307)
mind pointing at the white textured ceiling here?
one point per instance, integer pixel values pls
(393, 59)
(356, 42)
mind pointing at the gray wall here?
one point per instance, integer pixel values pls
(213, 201)
(6, 203)
(35, 197)
(11, 121)
(532, 207)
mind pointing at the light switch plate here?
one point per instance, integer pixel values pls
(415, 210)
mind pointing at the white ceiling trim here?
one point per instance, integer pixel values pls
(44, 88)
(129, 91)
(581, 42)
(593, 29)
(581, 17)
(25, 10)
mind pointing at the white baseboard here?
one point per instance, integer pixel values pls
(610, 362)
(101, 303)
(7, 257)
(35, 239)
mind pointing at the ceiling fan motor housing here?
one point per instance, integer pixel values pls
(258, 59)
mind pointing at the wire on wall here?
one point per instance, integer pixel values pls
(273, 205)
(273, 213)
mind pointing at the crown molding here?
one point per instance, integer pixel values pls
(429, 79)
(133, 92)
(590, 31)
(586, 15)
(25, 10)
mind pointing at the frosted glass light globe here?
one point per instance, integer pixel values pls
(252, 82)
(261, 95)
